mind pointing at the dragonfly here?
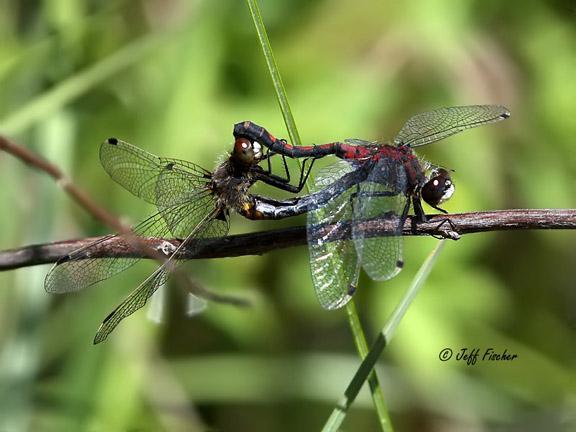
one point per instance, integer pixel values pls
(372, 180)
(192, 204)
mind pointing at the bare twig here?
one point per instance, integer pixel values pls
(64, 182)
(266, 241)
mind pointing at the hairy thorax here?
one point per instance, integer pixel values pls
(230, 184)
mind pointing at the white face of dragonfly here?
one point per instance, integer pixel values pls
(257, 147)
(247, 152)
(439, 188)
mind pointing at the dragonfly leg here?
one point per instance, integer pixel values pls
(418, 210)
(304, 173)
(304, 177)
(438, 208)
(284, 182)
(446, 233)
(286, 170)
(404, 216)
(268, 156)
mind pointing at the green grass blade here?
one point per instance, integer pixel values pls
(279, 89)
(366, 368)
(423, 272)
(354, 321)
(373, 381)
(274, 72)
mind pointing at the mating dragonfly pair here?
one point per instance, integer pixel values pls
(370, 180)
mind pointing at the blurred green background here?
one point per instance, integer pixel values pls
(173, 77)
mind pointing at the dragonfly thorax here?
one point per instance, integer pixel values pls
(230, 184)
(412, 167)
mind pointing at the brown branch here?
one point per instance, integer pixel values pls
(261, 242)
(81, 198)
(78, 195)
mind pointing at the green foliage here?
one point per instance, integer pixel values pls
(172, 78)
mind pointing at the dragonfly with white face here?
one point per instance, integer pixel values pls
(372, 180)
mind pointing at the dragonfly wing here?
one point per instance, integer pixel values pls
(136, 300)
(137, 170)
(428, 127)
(155, 312)
(77, 270)
(195, 305)
(208, 227)
(380, 197)
(177, 190)
(360, 142)
(334, 264)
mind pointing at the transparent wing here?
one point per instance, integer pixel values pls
(78, 271)
(381, 197)
(360, 142)
(207, 228)
(175, 186)
(334, 264)
(182, 202)
(428, 127)
(137, 170)
(155, 312)
(195, 305)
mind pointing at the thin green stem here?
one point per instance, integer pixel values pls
(274, 72)
(279, 89)
(359, 337)
(373, 381)
(367, 367)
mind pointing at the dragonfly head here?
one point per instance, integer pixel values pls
(247, 152)
(438, 189)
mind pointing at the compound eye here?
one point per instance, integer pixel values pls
(244, 151)
(438, 189)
